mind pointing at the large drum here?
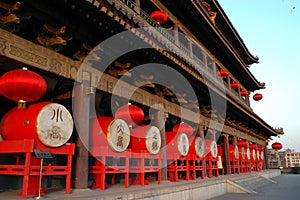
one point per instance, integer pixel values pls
(211, 148)
(107, 131)
(242, 153)
(262, 155)
(234, 150)
(197, 147)
(221, 152)
(48, 123)
(248, 153)
(184, 128)
(177, 143)
(253, 153)
(145, 138)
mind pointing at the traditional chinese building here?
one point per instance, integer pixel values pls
(98, 55)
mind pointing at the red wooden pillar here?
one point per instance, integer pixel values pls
(81, 109)
(236, 162)
(266, 158)
(213, 162)
(227, 156)
(159, 122)
(200, 133)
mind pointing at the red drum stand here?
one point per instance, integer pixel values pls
(31, 169)
(102, 167)
(142, 164)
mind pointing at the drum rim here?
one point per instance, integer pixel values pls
(213, 149)
(147, 143)
(236, 152)
(38, 131)
(254, 154)
(243, 152)
(248, 153)
(108, 132)
(202, 152)
(178, 143)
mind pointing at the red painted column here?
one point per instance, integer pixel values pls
(81, 110)
(226, 152)
(159, 122)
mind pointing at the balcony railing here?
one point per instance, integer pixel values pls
(186, 54)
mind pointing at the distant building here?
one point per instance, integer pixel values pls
(275, 159)
(292, 158)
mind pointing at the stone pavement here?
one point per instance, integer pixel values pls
(287, 187)
(199, 189)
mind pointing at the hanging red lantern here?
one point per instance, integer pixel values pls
(131, 114)
(242, 143)
(222, 73)
(257, 97)
(183, 128)
(159, 16)
(244, 93)
(252, 146)
(234, 85)
(277, 146)
(22, 85)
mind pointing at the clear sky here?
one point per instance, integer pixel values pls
(271, 30)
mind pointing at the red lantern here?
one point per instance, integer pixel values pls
(159, 16)
(257, 97)
(277, 146)
(252, 146)
(242, 143)
(22, 85)
(222, 73)
(183, 128)
(244, 92)
(234, 85)
(131, 114)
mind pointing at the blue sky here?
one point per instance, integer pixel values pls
(271, 30)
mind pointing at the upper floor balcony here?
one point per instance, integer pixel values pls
(190, 52)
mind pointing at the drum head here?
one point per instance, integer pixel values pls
(183, 144)
(253, 154)
(243, 152)
(118, 135)
(248, 154)
(54, 125)
(153, 140)
(236, 152)
(199, 146)
(262, 155)
(213, 149)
